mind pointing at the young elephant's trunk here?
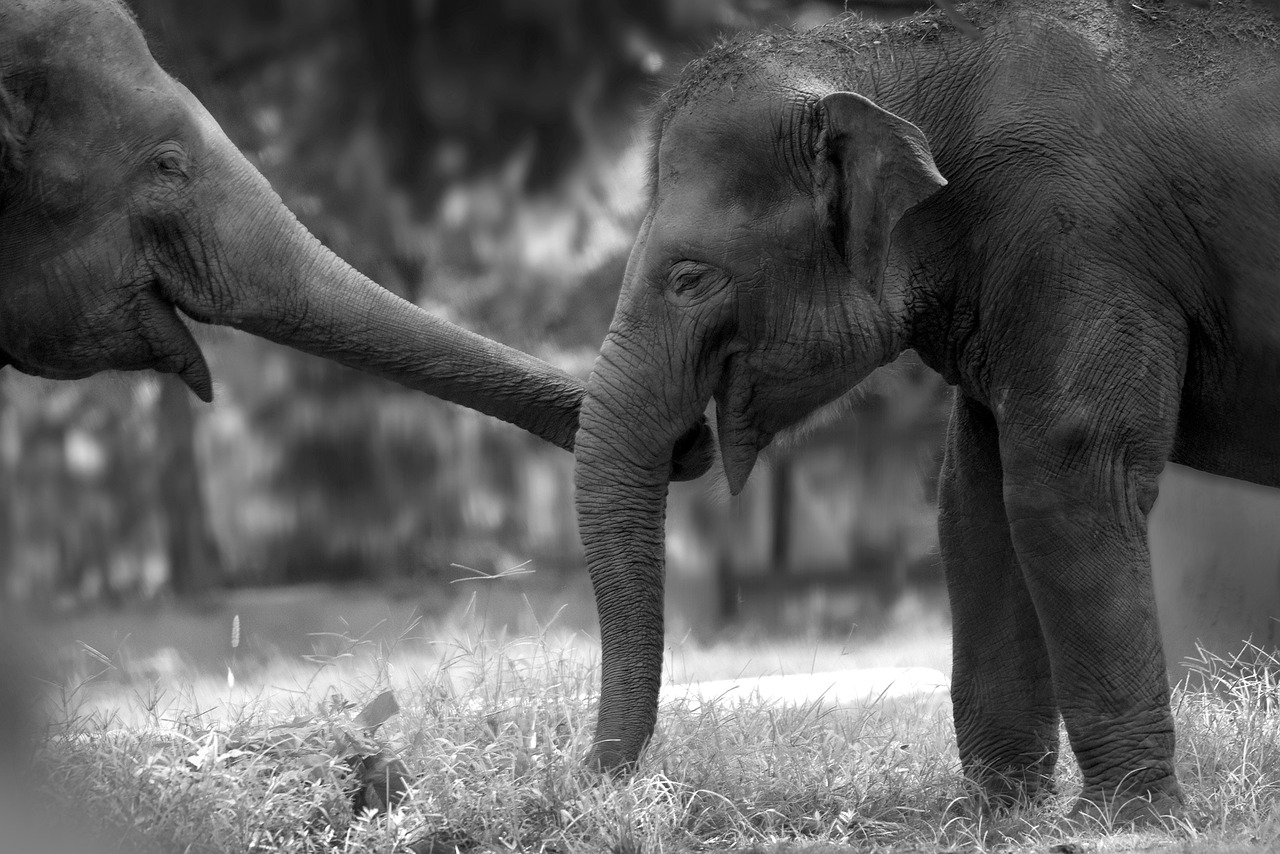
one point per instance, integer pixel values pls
(631, 416)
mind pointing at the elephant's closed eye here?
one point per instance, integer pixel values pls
(170, 161)
(692, 280)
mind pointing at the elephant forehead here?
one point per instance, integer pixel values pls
(105, 92)
(698, 231)
(730, 155)
(92, 99)
(100, 34)
(736, 237)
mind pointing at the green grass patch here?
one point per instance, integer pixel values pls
(484, 753)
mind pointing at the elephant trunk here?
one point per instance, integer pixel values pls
(631, 417)
(289, 288)
(337, 313)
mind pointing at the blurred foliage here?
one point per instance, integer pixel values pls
(483, 160)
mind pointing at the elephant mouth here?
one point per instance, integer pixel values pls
(173, 349)
(48, 372)
(694, 452)
(192, 369)
(45, 372)
(166, 346)
(741, 439)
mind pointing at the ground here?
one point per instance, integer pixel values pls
(482, 751)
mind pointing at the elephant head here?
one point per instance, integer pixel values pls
(757, 279)
(122, 203)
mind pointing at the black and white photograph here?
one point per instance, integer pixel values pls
(639, 426)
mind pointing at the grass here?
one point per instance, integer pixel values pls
(491, 732)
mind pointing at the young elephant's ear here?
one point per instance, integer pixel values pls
(872, 168)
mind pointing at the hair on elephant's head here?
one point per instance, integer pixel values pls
(757, 279)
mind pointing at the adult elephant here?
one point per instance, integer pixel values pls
(1098, 274)
(122, 202)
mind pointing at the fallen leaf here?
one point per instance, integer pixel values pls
(380, 709)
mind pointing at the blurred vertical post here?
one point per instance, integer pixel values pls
(191, 551)
(389, 31)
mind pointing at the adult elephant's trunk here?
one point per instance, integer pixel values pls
(331, 310)
(273, 278)
(251, 265)
(633, 412)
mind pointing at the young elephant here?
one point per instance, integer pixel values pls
(1098, 274)
(122, 202)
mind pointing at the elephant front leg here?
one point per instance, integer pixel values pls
(1002, 694)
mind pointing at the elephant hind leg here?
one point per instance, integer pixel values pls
(1006, 717)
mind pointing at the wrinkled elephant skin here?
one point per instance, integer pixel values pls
(122, 203)
(1082, 243)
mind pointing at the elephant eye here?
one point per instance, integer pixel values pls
(171, 161)
(687, 278)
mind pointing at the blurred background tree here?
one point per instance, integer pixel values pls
(485, 161)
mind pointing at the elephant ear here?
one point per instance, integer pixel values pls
(872, 167)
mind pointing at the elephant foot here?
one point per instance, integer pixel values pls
(1160, 803)
(1020, 785)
